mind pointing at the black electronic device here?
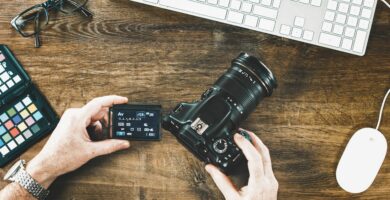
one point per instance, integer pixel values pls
(135, 122)
(206, 127)
(25, 114)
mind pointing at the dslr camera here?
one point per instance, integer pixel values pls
(206, 127)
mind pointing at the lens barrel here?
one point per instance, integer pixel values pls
(248, 81)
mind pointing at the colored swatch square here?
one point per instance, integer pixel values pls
(19, 139)
(35, 128)
(14, 132)
(32, 108)
(22, 126)
(2, 57)
(2, 130)
(11, 112)
(16, 119)
(12, 145)
(37, 116)
(27, 101)
(4, 117)
(30, 121)
(24, 114)
(27, 134)
(9, 124)
(4, 151)
(6, 137)
(19, 106)
(1, 143)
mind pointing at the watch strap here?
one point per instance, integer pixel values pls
(33, 187)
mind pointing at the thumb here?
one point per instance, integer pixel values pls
(223, 182)
(109, 146)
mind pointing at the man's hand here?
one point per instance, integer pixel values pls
(262, 184)
(69, 146)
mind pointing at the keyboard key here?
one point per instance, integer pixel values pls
(195, 7)
(338, 29)
(1, 68)
(369, 3)
(366, 13)
(340, 18)
(332, 5)
(308, 35)
(299, 21)
(315, 2)
(251, 21)
(343, 7)
(224, 3)
(265, 12)
(359, 41)
(352, 21)
(276, 3)
(235, 4)
(328, 39)
(266, 2)
(213, 2)
(296, 32)
(329, 16)
(358, 2)
(246, 7)
(355, 10)
(235, 17)
(304, 1)
(349, 32)
(363, 24)
(347, 44)
(267, 24)
(326, 26)
(285, 30)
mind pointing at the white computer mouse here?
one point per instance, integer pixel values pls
(361, 160)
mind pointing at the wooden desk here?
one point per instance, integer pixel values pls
(156, 56)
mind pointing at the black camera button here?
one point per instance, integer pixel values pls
(220, 146)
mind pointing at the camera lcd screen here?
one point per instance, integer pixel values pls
(135, 122)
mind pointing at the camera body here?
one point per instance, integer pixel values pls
(206, 127)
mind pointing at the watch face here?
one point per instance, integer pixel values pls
(14, 169)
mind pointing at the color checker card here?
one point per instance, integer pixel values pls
(23, 122)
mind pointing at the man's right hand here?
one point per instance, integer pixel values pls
(262, 184)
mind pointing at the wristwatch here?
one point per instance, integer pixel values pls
(18, 174)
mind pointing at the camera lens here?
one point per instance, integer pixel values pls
(246, 83)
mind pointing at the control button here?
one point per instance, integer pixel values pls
(220, 146)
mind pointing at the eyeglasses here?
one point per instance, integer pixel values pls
(33, 20)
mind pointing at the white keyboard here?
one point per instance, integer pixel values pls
(343, 25)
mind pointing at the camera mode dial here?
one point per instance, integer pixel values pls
(220, 146)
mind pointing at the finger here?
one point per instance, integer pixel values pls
(223, 182)
(253, 139)
(255, 164)
(264, 152)
(97, 127)
(108, 146)
(100, 115)
(94, 107)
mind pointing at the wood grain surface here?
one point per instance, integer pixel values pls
(152, 55)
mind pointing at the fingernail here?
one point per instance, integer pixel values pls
(126, 144)
(208, 169)
(238, 136)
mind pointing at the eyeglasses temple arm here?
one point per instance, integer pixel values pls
(37, 39)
